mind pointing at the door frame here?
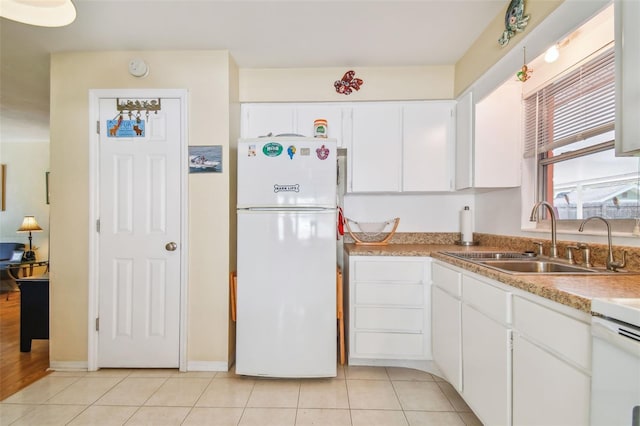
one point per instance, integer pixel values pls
(94, 174)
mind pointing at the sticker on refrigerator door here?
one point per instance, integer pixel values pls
(251, 151)
(322, 152)
(291, 151)
(286, 188)
(272, 149)
(305, 152)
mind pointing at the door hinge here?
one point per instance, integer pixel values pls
(511, 341)
(97, 324)
(98, 126)
(98, 226)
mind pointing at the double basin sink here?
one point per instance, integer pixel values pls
(527, 263)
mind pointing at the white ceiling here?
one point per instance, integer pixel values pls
(258, 34)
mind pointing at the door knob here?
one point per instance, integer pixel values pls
(171, 246)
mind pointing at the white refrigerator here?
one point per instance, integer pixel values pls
(286, 272)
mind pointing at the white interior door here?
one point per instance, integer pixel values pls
(139, 239)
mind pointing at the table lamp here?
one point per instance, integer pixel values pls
(29, 224)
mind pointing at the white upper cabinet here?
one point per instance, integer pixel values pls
(498, 138)
(392, 147)
(335, 115)
(627, 16)
(376, 148)
(402, 147)
(262, 119)
(294, 118)
(489, 139)
(427, 146)
(464, 142)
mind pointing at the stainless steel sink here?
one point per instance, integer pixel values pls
(528, 263)
(537, 267)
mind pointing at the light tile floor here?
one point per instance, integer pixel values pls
(359, 396)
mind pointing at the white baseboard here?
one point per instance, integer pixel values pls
(68, 365)
(207, 366)
(191, 366)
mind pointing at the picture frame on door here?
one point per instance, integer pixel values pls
(205, 159)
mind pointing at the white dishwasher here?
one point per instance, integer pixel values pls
(615, 381)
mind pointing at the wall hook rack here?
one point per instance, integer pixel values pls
(138, 105)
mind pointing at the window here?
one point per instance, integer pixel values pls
(569, 129)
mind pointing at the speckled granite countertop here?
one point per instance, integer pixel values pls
(575, 291)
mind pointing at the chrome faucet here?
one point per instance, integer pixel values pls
(612, 265)
(553, 250)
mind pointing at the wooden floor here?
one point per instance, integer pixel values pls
(18, 369)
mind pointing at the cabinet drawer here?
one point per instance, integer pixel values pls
(389, 345)
(398, 319)
(389, 294)
(560, 333)
(490, 300)
(407, 271)
(447, 279)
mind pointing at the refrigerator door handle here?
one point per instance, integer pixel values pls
(287, 209)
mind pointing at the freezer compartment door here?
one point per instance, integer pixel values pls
(287, 172)
(286, 297)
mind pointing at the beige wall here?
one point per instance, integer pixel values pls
(391, 83)
(206, 76)
(486, 51)
(316, 84)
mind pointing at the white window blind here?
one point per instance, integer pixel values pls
(578, 105)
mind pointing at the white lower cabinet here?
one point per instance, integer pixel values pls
(486, 349)
(546, 390)
(388, 315)
(551, 366)
(486, 366)
(446, 317)
(515, 358)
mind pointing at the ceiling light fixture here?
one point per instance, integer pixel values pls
(42, 13)
(552, 54)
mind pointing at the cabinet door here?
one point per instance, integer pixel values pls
(627, 15)
(464, 142)
(498, 141)
(547, 390)
(487, 367)
(427, 146)
(262, 119)
(334, 114)
(446, 335)
(376, 148)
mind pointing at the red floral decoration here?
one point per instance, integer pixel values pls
(348, 83)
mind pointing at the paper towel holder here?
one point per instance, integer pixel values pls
(460, 242)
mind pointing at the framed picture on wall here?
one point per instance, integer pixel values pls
(3, 187)
(46, 181)
(205, 159)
